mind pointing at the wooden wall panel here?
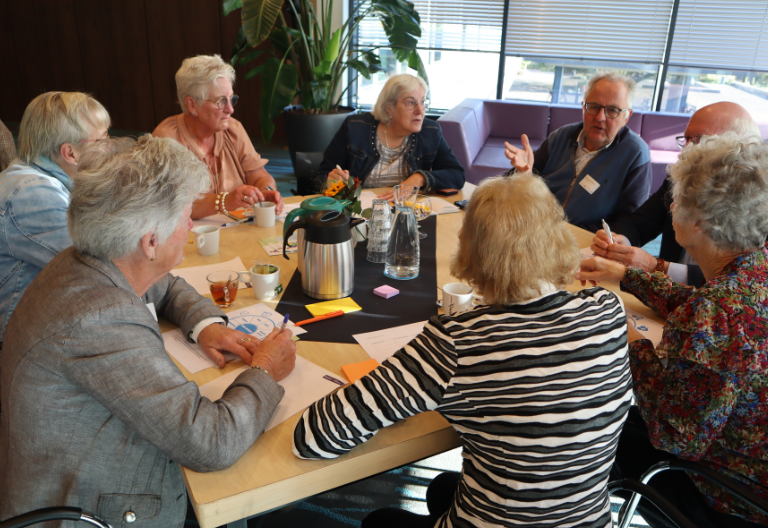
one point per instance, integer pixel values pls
(113, 37)
(12, 102)
(178, 29)
(45, 37)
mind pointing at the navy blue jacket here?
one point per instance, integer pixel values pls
(623, 171)
(354, 149)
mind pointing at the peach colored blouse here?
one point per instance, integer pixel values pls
(234, 159)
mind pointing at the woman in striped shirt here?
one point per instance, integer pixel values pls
(536, 381)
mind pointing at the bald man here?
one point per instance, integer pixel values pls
(653, 217)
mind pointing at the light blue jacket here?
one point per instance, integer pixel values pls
(33, 226)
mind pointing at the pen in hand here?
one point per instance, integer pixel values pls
(608, 231)
(285, 321)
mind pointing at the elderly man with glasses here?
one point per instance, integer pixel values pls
(653, 217)
(598, 169)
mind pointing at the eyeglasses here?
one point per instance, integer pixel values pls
(411, 103)
(221, 102)
(611, 112)
(682, 141)
(105, 138)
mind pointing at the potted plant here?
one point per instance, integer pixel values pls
(309, 60)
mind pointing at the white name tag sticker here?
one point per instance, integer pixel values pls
(151, 307)
(589, 184)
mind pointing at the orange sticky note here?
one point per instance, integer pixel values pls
(355, 371)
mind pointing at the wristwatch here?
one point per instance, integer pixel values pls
(660, 262)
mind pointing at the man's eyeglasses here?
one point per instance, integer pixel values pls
(411, 103)
(682, 141)
(105, 138)
(611, 112)
(221, 102)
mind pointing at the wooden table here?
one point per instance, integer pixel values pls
(269, 476)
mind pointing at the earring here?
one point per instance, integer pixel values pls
(194, 113)
(152, 258)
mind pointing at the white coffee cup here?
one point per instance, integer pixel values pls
(265, 286)
(207, 239)
(264, 214)
(457, 297)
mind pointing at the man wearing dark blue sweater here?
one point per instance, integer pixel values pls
(598, 169)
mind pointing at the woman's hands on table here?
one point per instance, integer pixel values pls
(621, 251)
(598, 269)
(276, 353)
(416, 179)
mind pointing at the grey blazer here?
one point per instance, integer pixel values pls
(94, 412)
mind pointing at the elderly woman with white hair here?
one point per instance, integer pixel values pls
(56, 129)
(701, 393)
(206, 127)
(394, 144)
(535, 381)
(95, 413)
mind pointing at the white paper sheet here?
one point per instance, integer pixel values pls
(196, 275)
(215, 220)
(366, 199)
(381, 344)
(257, 320)
(440, 206)
(648, 327)
(467, 190)
(586, 253)
(304, 386)
(287, 208)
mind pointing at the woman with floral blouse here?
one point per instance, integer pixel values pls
(702, 394)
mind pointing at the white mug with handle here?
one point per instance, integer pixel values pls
(207, 239)
(458, 297)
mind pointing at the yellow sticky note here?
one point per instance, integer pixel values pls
(346, 304)
(355, 371)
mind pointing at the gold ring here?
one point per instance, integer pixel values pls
(243, 340)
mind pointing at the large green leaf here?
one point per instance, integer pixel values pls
(415, 63)
(245, 59)
(332, 49)
(278, 87)
(230, 5)
(361, 67)
(259, 17)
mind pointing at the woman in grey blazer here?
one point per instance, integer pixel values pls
(94, 412)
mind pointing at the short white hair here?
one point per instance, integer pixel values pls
(55, 118)
(396, 86)
(723, 183)
(614, 78)
(134, 188)
(197, 76)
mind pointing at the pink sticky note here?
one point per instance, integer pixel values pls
(386, 291)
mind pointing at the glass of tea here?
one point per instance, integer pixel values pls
(223, 285)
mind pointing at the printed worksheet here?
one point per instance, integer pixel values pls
(304, 386)
(383, 343)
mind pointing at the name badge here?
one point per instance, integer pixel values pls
(589, 184)
(151, 308)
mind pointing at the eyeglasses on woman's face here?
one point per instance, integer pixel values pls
(221, 102)
(410, 103)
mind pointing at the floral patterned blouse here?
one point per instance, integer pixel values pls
(704, 391)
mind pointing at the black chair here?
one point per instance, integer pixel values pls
(640, 488)
(57, 513)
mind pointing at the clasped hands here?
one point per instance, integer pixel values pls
(276, 353)
(415, 179)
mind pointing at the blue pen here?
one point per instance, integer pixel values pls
(233, 224)
(285, 321)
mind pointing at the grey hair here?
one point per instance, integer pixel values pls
(396, 86)
(197, 75)
(745, 127)
(55, 118)
(134, 188)
(614, 78)
(723, 184)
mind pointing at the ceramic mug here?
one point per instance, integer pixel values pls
(265, 286)
(264, 214)
(458, 297)
(207, 239)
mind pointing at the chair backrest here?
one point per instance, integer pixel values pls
(465, 130)
(507, 119)
(661, 128)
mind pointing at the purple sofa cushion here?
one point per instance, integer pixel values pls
(660, 130)
(511, 120)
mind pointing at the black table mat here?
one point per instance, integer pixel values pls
(414, 303)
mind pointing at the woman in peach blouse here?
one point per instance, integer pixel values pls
(207, 128)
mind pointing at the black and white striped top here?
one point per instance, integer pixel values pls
(538, 392)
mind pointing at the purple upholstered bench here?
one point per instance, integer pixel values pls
(660, 130)
(476, 130)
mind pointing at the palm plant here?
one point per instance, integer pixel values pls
(308, 59)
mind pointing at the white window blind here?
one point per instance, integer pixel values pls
(625, 31)
(473, 25)
(716, 34)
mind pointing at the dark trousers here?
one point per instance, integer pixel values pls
(636, 454)
(439, 497)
